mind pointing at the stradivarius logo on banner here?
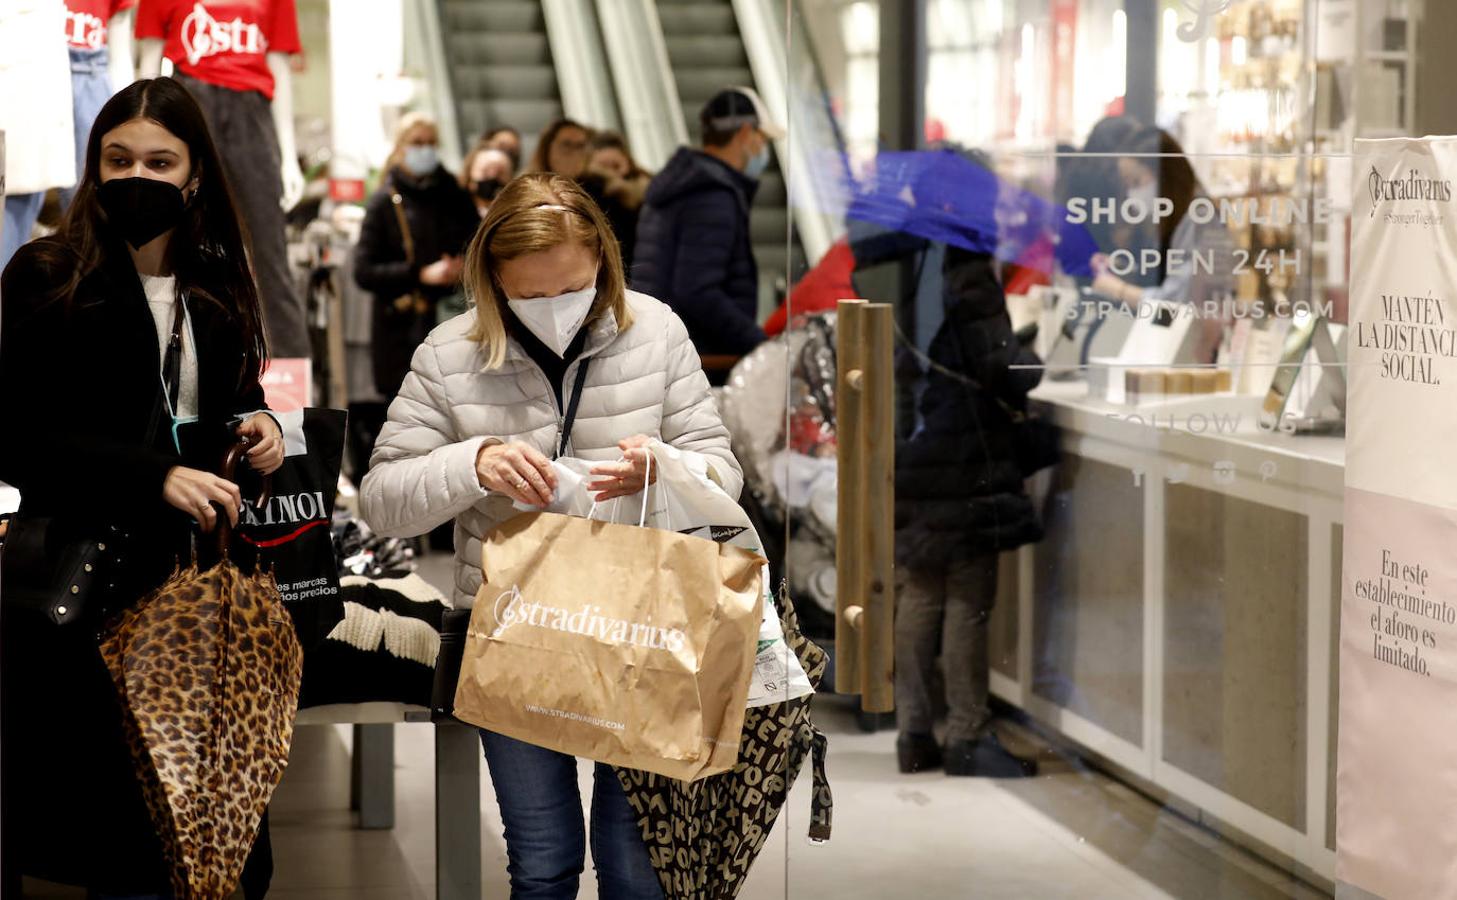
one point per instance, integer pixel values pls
(512, 610)
(1416, 185)
(1204, 12)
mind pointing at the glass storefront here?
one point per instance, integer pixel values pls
(1163, 194)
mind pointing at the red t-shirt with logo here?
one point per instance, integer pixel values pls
(223, 42)
(87, 20)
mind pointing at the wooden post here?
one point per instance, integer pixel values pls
(877, 454)
(338, 379)
(850, 525)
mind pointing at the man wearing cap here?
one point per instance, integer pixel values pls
(693, 245)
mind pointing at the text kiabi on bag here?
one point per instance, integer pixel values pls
(512, 609)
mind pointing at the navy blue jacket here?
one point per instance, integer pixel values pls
(959, 483)
(694, 253)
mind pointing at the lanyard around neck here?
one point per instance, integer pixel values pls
(172, 364)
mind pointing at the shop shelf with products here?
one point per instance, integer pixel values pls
(1236, 94)
(1365, 65)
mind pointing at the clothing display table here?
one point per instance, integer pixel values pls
(457, 784)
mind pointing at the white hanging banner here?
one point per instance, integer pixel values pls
(1397, 767)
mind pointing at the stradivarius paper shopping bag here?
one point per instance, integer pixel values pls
(625, 645)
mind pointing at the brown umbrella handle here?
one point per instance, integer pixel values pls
(230, 472)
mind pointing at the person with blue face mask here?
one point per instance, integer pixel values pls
(694, 248)
(414, 236)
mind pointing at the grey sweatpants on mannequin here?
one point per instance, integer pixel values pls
(944, 612)
(242, 128)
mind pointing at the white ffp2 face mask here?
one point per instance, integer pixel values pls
(555, 320)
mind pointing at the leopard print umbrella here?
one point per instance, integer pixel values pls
(208, 669)
(703, 836)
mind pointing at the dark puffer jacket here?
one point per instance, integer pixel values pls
(442, 219)
(959, 483)
(694, 253)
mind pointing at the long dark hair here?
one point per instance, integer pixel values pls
(612, 140)
(1156, 150)
(541, 157)
(1090, 176)
(208, 251)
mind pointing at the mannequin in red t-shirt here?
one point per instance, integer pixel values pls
(94, 24)
(233, 55)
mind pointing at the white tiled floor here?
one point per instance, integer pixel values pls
(1070, 833)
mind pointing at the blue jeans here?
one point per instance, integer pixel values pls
(541, 808)
(90, 89)
(21, 211)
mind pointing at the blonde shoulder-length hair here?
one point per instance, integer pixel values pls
(536, 212)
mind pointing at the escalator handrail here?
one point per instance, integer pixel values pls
(647, 92)
(811, 208)
(440, 78)
(583, 80)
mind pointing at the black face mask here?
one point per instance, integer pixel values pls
(141, 209)
(487, 190)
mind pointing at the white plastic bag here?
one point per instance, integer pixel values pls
(684, 499)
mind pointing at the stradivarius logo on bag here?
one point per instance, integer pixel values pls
(513, 610)
(1416, 185)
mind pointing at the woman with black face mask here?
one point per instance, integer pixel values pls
(130, 356)
(486, 171)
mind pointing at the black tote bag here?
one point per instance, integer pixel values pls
(291, 533)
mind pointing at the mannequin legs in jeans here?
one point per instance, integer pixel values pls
(546, 843)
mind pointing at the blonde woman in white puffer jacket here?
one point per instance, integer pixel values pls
(474, 429)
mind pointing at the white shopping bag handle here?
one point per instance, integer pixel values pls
(647, 483)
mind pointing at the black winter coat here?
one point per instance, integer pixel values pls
(78, 387)
(622, 205)
(442, 219)
(695, 254)
(959, 484)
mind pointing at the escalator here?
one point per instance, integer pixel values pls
(501, 70)
(706, 53)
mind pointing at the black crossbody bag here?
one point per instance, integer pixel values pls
(57, 570)
(455, 622)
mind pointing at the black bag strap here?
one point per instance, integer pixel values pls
(571, 417)
(821, 804)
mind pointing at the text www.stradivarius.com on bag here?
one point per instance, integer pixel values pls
(576, 717)
(512, 609)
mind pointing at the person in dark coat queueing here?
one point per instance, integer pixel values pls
(960, 501)
(151, 252)
(618, 185)
(694, 249)
(562, 149)
(408, 283)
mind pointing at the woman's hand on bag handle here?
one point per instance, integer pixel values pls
(194, 492)
(518, 471)
(266, 454)
(630, 476)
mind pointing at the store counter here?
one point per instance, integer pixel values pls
(1178, 619)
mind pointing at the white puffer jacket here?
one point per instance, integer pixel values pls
(646, 380)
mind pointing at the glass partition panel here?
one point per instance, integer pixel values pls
(1114, 239)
